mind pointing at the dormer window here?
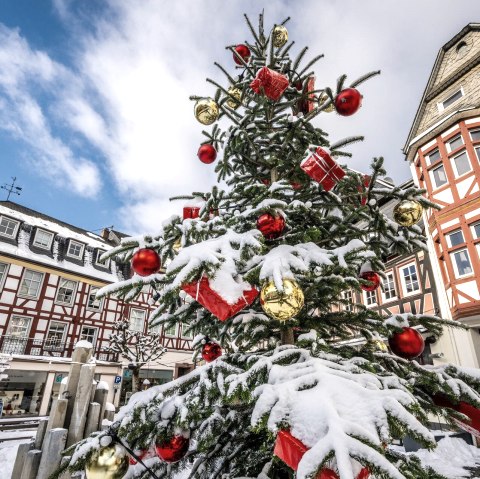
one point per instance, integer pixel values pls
(75, 249)
(433, 157)
(105, 263)
(8, 227)
(451, 99)
(43, 239)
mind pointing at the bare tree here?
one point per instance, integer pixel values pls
(136, 347)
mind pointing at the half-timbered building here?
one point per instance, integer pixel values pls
(50, 272)
(443, 149)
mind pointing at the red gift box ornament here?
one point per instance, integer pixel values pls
(269, 82)
(321, 167)
(211, 300)
(291, 450)
(191, 212)
(473, 413)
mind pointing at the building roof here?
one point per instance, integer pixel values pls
(432, 90)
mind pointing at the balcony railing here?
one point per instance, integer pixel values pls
(47, 347)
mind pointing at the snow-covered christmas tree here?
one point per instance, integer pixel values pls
(257, 271)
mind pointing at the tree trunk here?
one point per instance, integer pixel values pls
(286, 336)
(135, 380)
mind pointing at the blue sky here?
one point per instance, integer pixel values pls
(95, 120)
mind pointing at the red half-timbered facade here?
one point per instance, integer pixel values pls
(49, 274)
(443, 148)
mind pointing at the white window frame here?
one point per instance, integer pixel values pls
(49, 245)
(452, 93)
(404, 284)
(144, 312)
(4, 275)
(427, 157)
(95, 336)
(472, 229)
(62, 339)
(384, 296)
(189, 336)
(31, 296)
(15, 229)
(449, 240)
(454, 166)
(455, 266)
(473, 130)
(367, 295)
(348, 296)
(432, 177)
(106, 264)
(90, 292)
(82, 248)
(169, 334)
(447, 143)
(74, 292)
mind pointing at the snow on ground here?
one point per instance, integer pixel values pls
(451, 457)
(8, 452)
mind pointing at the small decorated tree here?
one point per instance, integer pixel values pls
(136, 347)
(257, 272)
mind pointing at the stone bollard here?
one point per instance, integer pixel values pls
(101, 393)
(31, 464)
(92, 418)
(57, 414)
(42, 427)
(109, 411)
(20, 459)
(53, 445)
(81, 355)
(81, 404)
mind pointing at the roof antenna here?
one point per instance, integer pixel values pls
(11, 188)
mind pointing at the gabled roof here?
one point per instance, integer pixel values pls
(432, 90)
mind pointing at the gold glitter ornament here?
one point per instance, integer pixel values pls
(407, 212)
(235, 94)
(378, 345)
(110, 462)
(279, 36)
(322, 99)
(206, 111)
(177, 245)
(282, 305)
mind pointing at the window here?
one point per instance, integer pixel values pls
(439, 177)
(475, 135)
(8, 227)
(43, 239)
(476, 230)
(3, 273)
(462, 49)
(348, 297)
(461, 263)
(89, 334)
(410, 279)
(137, 319)
(184, 333)
(66, 291)
(389, 287)
(155, 329)
(455, 143)
(171, 331)
(105, 263)
(455, 238)
(55, 336)
(461, 163)
(433, 157)
(477, 151)
(371, 297)
(31, 282)
(75, 250)
(451, 99)
(93, 302)
(16, 338)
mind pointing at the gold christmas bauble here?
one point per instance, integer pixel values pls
(282, 305)
(407, 212)
(206, 111)
(279, 36)
(378, 345)
(322, 99)
(177, 245)
(110, 462)
(235, 94)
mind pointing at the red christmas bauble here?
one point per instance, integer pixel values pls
(207, 153)
(270, 226)
(244, 52)
(296, 185)
(408, 344)
(348, 101)
(211, 351)
(373, 277)
(173, 449)
(146, 262)
(327, 474)
(364, 473)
